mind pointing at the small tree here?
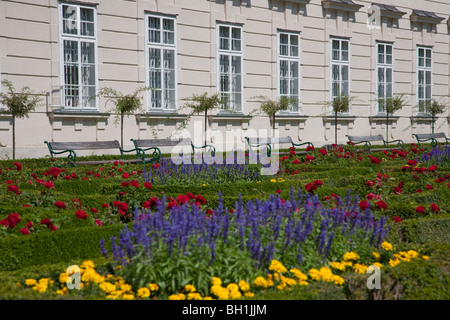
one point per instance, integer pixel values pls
(18, 105)
(271, 107)
(339, 104)
(124, 105)
(201, 104)
(390, 105)
(435, 107)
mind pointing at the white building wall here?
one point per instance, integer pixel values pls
(30, 56)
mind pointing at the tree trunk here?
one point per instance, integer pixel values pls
(387, 127)
(206, 125)
(273, 125)
(121, 130)
(335, 128)
(432, 123)
(14, 136)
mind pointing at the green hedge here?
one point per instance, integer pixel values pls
(48, 248)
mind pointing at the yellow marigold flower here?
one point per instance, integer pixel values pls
(351, 256)
(194, 296)
(107, 287)
(174, 297)
(232, 287)
(360, 268)
(143, 293)
(347, 263)
(386, 246)
(281, 286)
(326, 274)
(315, 274)
(303, 283)
(128, 297)
(112, 296)
(125, 287)
(182, 296)
(63, 291)
(189, 288)
(376, 254)
(337, 265)
(379, 265)
(208, 298)
(394, 263)
(338, 280)
(216, 281)
(260, 282)
(63, 277)
(298, 274)
(273, 180)
(235, 294)
(87, 264)
(216, 289)
(413, 254)
(153, 287)
(289, 281)
(40, 287)
(243, 285)
(30, 282)
(425, 257)
(249, 294)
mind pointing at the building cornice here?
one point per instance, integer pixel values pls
(344, 5)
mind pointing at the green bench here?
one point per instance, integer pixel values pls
(56, 148)
(144, 145)
(255, 142)
(367, 140)
(424, 137)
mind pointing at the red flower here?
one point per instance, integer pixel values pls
(278, 191)
(370, 183)
(147, 185)
(182, 199)
(318, 182)
(125, 175)
(24, 231)
(323, 151)
(60, 204)
(73, 175)
(14, 188)
(397, 219)
(98, 222)
(381, 204)
(105, 205)
(310, 187)
(76, 202)
(190, 195)
(374, 160)
(308, 148)
(296, 161)
(11, 220)
(419, 191)
(125, 183)
(434, 207)
(363, 205)
(94, 210)
(26, 205)
(370, 196)
(201, 199)
(292, 150)
(80, 214)
(310, 158)
(155, 165)
(46, 221)
(52, 227)
(172, 204)
(29, 224)
(18, 166)
(134, 183)
(420, 209)
(412, 162)
(429, 187)
(49, 184)
(432, 168)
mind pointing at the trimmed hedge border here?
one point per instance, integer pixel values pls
(49, 248)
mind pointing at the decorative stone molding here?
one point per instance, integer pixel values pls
(57, 117)
(343, 5)
(421, 16)
(380, 119)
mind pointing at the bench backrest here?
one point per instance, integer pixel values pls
(366, 138)
(269, 140)
(87, 145)
(147, 143)
(430, 135)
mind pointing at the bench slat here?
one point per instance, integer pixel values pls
(146, 143)
(366, 138)
(430, 135)
(84, 145)
(270, 140)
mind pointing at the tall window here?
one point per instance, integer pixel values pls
(79, 59)
(384, 74)
(289, 67)
(229, 54)
(340, 66)
(424, 71)
(161, 62)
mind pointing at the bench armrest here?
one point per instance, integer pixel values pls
(207, 147)
(399, 142)
(156, 154)
(71, 158)
(309, 144)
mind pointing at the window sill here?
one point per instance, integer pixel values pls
(59, 114)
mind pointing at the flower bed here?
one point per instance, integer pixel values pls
(225, 221)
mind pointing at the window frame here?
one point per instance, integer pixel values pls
(424, 69)
(79, 39)
(385, 66)
(160, 46)
(230, 53)
(340, 64)
(290, 59)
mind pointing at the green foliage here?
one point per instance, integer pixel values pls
(18, 104)
(392, 104)
(271, 107)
